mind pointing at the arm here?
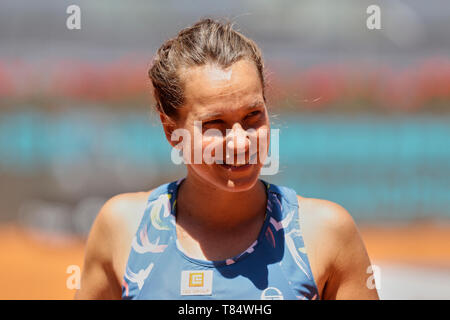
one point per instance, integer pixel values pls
(98, 280)
(337, 253)
(348, 273)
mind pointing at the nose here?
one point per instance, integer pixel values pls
(237, 141)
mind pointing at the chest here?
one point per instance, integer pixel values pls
(214, 246)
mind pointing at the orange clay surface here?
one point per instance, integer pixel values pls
(34, 265)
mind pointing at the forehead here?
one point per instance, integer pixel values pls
(212, 87)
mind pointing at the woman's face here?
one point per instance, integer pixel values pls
(226, 117)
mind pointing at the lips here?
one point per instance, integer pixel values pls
(240, 167)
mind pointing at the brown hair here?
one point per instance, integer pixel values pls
(207, 41)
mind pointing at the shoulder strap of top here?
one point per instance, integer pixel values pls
(284, 198)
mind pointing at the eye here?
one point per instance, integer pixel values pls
(212, 122)
(254, 113)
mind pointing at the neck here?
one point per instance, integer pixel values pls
(210, 208)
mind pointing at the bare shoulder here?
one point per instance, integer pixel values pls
(337, 254)
(124, 210)
(118, 217)
(324, 215)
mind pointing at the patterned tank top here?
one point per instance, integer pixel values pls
(274, 267)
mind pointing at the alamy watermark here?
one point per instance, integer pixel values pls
(373, 281)
(74, 280)
(373, 22)
(73, 21)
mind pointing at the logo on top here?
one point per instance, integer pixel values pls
(196, 282)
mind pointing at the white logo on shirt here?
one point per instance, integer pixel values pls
(271, 293)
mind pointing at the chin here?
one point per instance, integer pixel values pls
(228, 179)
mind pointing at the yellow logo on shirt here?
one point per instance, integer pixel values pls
(196, 279)
(196, 282)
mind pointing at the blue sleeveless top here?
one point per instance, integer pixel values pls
(275, 266)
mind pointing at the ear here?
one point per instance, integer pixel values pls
(169, 126)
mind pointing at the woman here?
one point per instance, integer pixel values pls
(221, 232)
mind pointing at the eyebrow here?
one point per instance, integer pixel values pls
(212, 115)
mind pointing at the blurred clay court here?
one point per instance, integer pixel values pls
(364, 120)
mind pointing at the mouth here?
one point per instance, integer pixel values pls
(240, 167)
